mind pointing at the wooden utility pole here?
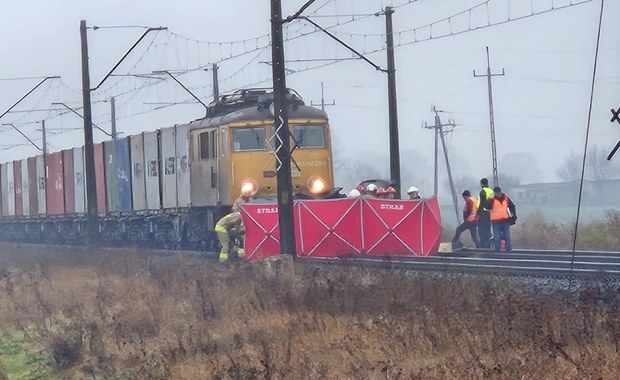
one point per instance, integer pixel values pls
(489, 75)
(440, 133)
(89, 151)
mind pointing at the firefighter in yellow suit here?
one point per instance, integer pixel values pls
(230, 227)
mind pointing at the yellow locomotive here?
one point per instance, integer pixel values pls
(231, 149)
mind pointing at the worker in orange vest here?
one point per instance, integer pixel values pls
(503, 213)
(470, 221)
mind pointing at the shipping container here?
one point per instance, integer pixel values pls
(5, 190)
(41, 185)
(17, 178)
(182, 154)
(25, 187)
(9, 191)
(2, 205)
(55, 184)
(100, 179)
(79, 184)
(151, 162)
(67, 162)
(137, 173)
(168, 167)
(111, 190)
(118, 169)
(33, 187)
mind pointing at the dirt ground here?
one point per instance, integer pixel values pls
(127, 314)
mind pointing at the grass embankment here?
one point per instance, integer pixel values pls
(22, 359)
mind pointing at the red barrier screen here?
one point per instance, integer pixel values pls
(348, 227)
(329, 228)
(262, 232)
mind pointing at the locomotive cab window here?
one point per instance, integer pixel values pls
(205, 146)
(247, 139)
(309, 136)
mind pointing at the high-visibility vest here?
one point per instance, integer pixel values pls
(489, 192)
(499, 211)
(470, 202)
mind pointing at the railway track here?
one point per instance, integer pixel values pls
(554, 263)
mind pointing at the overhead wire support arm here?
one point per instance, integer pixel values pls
(77, 113)
(127, 53)
(360, 55)
(299, 12)
(27, 94)
(24, 135)
(181, 84)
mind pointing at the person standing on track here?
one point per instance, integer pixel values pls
(470, 220)
(484, 222)
(503, 213)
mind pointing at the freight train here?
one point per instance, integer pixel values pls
(168, 187)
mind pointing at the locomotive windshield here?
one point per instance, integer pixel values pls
(309, 136)
(245, 139)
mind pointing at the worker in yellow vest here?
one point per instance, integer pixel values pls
(470, 221)
(228, 228)
(484, 221)
(503, 214)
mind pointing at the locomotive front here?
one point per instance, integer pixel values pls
(239, 153)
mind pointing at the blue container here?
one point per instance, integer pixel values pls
(118, 175)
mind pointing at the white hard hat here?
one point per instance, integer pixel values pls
(355, 193)
(371, 187)
(412, 189)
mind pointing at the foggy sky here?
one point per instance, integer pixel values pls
(541, 103)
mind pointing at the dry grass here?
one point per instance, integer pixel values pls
(181, 317)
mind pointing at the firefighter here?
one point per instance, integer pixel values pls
(390, 193)
(414, 192)
(355, 193)
(370, 191)
(470, 219)
(228, 228)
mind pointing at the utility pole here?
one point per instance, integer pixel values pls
(392, 100)
(216, 83)
(392, 109)
(280, 113)
(439, 132)
(113, 121)
(323, 104)
(488, 75)
(43, 138)
(89, 151)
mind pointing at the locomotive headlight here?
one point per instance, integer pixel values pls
(317, 185)
(249, 186)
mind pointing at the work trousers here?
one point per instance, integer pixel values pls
(484, 230)
(225, 237)
(501, 231)
(472, 227)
